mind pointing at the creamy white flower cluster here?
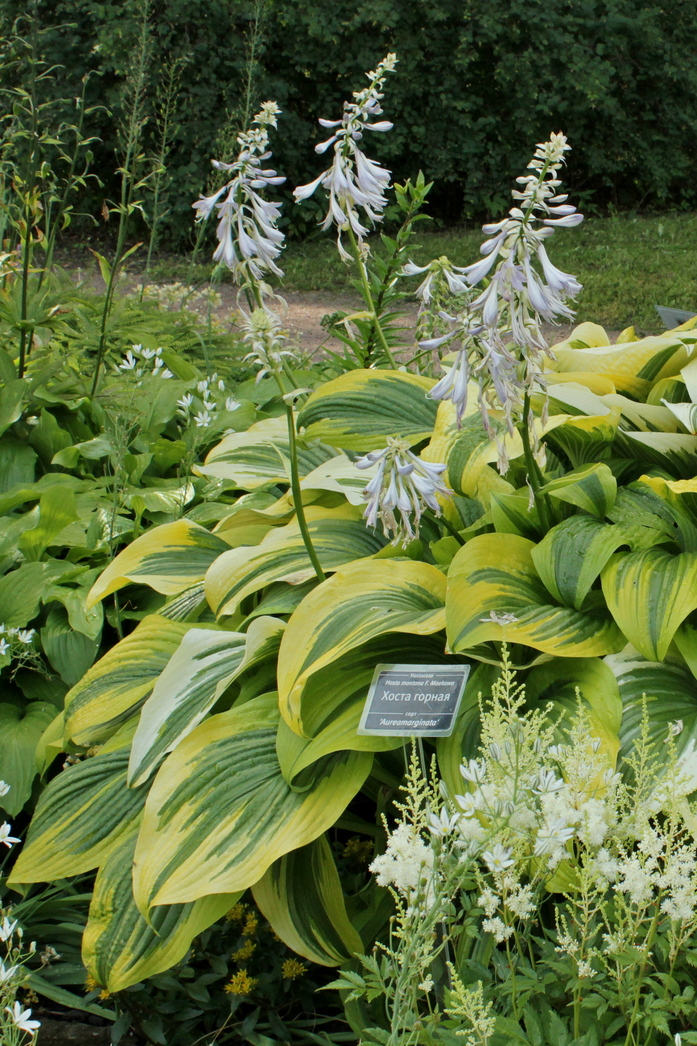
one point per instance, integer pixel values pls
(12, 973)
(402, 487)
(501, 327)
(15, 641)
(249, 240)
(354, 181)
(143, 363)
(407, 864)
(203, 405)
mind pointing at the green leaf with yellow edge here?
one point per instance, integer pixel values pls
(633, 367)
(468, 452)
(169, 559)
(494, 575)
(82, 815)
(261, 455)
(586, 437)
(121, 948)
(338, 474)
(513, 514)
(571, 556)
(338, 536)
(674, 451)
(592, 488)
(556, 683)
(650, 593)
(348, 677)
(302, 898)
(220, 812)
(199, 672)
(361, 408)
(116, 686)
(666, 690)
(361, 601)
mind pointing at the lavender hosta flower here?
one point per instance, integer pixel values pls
(439, 270)
(354, 181)
(249, 240)
(402, 487)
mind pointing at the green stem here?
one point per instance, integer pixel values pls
(535, 477)
(642, 970)
(369, 299)
(297, 495)
(25, 293)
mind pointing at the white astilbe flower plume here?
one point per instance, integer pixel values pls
(354, 180)
(402, 487)
(501, 328)
(248, 238)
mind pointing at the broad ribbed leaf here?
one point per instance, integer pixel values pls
(666, 690)
(571, 556)
(633, 367)
(219, 812)
(338, 734)
(301, 896)
(468, 452)
(494, 575)
(649, 593)
(119, 947)
(360, 601)
(114, 688)
(200, 670)
(338, 537)
(82, 815)
(261, 455)
(674, 451)
(169, 559)
(586, 438)
(360, 409)
(592, 488)
(512, 514)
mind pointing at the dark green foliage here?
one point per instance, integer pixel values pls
(478, 81)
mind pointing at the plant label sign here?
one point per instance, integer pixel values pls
(414, 700)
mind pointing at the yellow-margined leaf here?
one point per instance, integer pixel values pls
(650, 593)
(261, 455)
(360, 409)
(169, 559)
(301, 896)
(112, 690)
(200, 670)
(119, 947)
(633, 367)
(82, 815)
(571, 556)
(592, 488)
(360, 601)
(219, 812)
(338, 536)
(494, 575)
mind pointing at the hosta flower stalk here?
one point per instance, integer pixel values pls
(249, 241)
(402, 487)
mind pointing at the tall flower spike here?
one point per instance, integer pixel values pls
(354, 180)
(402, 487)
(248, 238)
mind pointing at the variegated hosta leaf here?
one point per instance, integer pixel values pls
(348, 677)
(585, 438)
(219, 812)
(665, 690)
(302, 898)
(674, 451)
(338, 474)
(649, 594)
(338, 536)
(360, 409)
(592, 488)
(560, 682)
(494, 575)
(363, 600)
(112, 690)
(339, 734)
(82, 815)
(468, 452)
(200, 670)
(169, 559)
(512, 514)
(571, 556)
(119, 947)
(261, 455)
(633, 367)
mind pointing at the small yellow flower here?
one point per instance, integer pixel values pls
(358, 850)
(105, 994)
(91, 983)
(240, 983)
(292, 969)
(236, 913)
(250, 925)
(245, 952)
